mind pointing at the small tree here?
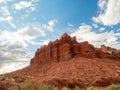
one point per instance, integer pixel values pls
(113, 87)
(42, 86)
(65, 88)
(91, 88)
(77, 88)
(15, 87)
(28, 86)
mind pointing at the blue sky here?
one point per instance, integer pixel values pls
(25, 25)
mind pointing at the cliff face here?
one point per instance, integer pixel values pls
(67, 47)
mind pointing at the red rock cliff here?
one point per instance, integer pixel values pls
(67, 47)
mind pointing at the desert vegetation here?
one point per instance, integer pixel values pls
(113, 87)
(42, 86)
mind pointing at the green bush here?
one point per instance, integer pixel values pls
(113, 87)
(45, 87)
(41, 86)
(29, 86)
(56, 88)
(76, 88)
(15, 87)
(91, 88)
(65, 88)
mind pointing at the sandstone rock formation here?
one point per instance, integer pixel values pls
(67, 47)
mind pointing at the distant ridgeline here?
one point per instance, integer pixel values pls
(67, 47)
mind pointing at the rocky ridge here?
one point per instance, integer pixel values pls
(67, 47)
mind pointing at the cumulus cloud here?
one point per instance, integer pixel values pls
(14, 51)
(11, 54)
(14, 45)
(22, 4)
(23, 35)
(29, 33)
(25, 4)
(109, 13)
(85, 33)
(12, 66)
(4, 1)
(102, 4)
(50, 25)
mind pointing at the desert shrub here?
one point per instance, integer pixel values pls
(28, 86)
(45, 87)
(65, 88)
(76, 88)
(56, 88)
(91, 88)
(113, 87)
(15, 87)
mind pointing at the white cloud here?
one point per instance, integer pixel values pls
(110, 14)
(22, 5)
(4, 1)
(29, 33)
(84, 33)
(23, 35)
(1, 1)
(45, 42)
(9, 20)
(50, 25)
(6, 16)
(14, 45)
(101, 29)
(8, 12)
(5, 11)
(102, 4)
(12, 66)
(95, 25)
(25, 4)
